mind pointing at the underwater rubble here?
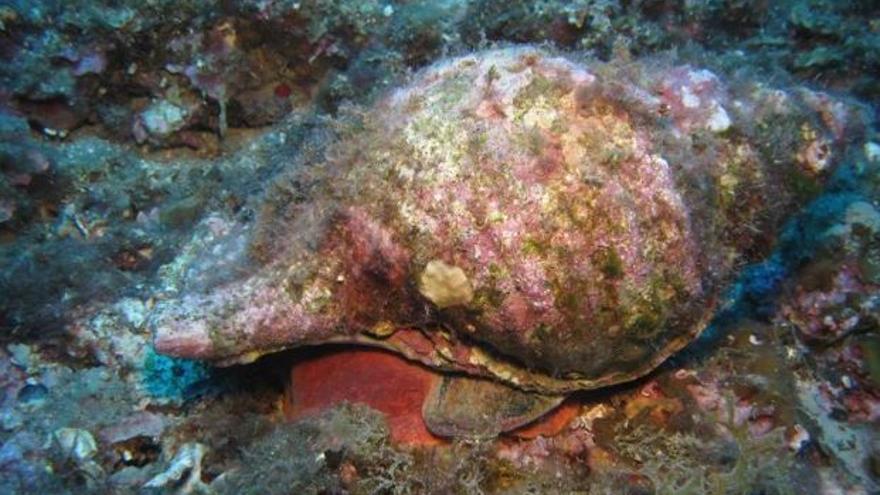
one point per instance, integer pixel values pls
(156, 154)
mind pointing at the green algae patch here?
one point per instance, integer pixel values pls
(610, 263)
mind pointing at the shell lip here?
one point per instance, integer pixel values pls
(513, 374)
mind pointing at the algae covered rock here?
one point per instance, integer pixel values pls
(519, 215)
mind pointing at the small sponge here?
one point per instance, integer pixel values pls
(445, 285)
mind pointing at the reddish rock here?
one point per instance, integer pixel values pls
(282, 90)
(55, 116)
